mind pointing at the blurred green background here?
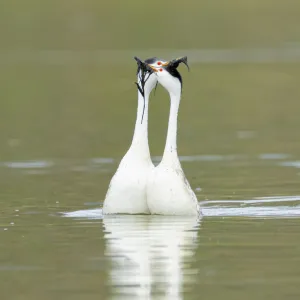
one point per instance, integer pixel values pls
(67, 97)
(67, 76)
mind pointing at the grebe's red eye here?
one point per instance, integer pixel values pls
(160, 70)
(159, 63)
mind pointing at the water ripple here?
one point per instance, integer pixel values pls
(294, 164)
(102, 163)
(225, 208)
(29, 164)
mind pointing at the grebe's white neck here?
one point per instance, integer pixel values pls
(170, 152)
(140, 136)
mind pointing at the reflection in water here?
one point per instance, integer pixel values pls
(148, 254)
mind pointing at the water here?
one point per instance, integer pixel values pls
(55, 242)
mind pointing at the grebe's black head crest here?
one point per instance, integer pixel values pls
(168, 75)
(174, 63)
(171, 67)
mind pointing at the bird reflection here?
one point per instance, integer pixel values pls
(149, 253)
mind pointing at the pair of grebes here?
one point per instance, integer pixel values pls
(139, 187)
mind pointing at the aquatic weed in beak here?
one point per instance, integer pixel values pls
(143, 72)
